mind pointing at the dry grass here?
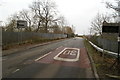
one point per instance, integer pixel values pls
(103, 63)
(32, 41)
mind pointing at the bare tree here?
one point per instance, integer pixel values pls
(11, 25)
(98, 21)
(110, 5)
(27, 15)
(41, 17)
(62, 22)
(68, 30)
(45, 11)
(116, 8)
(56, 29)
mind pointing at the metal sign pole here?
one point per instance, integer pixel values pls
(21, 24)
(118, 60)
(119, 45)
(21, 35)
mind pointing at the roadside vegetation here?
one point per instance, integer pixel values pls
(103, 63)
(99, 40)
(29, 42)
(42, 16)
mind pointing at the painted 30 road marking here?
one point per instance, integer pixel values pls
(69, 52)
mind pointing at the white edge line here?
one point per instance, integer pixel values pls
(71, 60)
(16, 70)
(4, 59)
(42, 56)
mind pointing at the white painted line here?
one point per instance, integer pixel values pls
(58, 47)
(73, 53)
(4, 59)
(16, 70)
(64, 52)
(42, 56)
(67, 59)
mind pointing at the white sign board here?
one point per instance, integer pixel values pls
(21, 24)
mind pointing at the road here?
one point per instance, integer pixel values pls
(62, 59)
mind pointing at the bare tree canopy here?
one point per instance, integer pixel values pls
(42, 16)
(44, 11)
(97, 23)
(11, 25)
(110, 5)
(27, 16)
(116, 8)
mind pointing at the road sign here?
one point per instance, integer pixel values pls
(113, 28)
(110, 28)
(21, 23)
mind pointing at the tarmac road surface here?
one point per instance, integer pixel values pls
(62, 59)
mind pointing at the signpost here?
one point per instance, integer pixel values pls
(21, 24)
(110, 27)
(113, 28)
(119, 45)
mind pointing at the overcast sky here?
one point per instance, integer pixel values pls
(77, 12)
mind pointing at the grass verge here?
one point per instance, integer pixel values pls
(102, 63)
(32, 41)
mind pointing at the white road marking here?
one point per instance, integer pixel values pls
(16, 70)
(67, 59)
(45, 55)
(64, 52)
(73, 53)
(4, 59)
(58, 47)
(42, 56)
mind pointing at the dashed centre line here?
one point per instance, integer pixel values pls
(42, 56)
(45, 55)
